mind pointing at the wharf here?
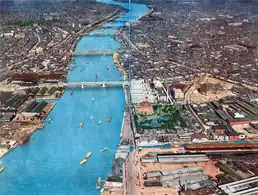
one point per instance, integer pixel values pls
(48, 108)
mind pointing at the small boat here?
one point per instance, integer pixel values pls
(71, 93)
(99, 123)
(1, 169)
(83, 161)
(104, 149)
(109, 119)
(81, 124)
(92, 99)
(98, 186)
(98, 183)
(50, 120)
(97, 76)
(88, 154)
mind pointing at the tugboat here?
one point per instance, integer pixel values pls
(109, 119)
(83, 161)
(81, 124)
(99, 123)
(104, 149)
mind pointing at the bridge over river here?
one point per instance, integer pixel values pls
(91, 52)
(96, 84)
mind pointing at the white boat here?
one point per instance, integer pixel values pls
(99, 123)
(104, 149)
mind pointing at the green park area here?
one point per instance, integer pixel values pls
(164, 117)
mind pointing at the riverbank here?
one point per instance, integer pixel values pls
(27, 130)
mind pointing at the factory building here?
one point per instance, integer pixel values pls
(225, 132)
(34, 108)
(243, 187)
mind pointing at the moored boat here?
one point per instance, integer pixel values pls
(83, 161)
(98, 183)
(98, 186)
(88, 154)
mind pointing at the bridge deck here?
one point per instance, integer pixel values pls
(96, 84)
(108, 52)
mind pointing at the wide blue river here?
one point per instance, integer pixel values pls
(49, 163)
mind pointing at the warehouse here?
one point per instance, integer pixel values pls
(242, 187)
(34, 108)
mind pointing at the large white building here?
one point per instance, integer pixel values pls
(141, 91)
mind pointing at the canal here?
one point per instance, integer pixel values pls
(49, 163)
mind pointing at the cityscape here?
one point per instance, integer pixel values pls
(140, 97)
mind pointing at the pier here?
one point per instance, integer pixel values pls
(96, 84)
(92, 52)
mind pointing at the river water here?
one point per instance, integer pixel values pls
(49, 163)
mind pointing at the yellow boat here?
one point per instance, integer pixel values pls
(88, 154)
(98, 183)
(103, 150)
(1, 169)
(83, 161)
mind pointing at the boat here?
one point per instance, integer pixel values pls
(24, 140)
(98, 183)
(71, 93)
(1, 169)
(103, 150)
(81, 124)
(50, 120)
(83, 161)
(98, 186)
(99, 123)
(88, 154)
(109, 119)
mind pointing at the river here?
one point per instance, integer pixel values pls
(49, 163)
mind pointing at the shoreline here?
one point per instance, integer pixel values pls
(40, 125)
